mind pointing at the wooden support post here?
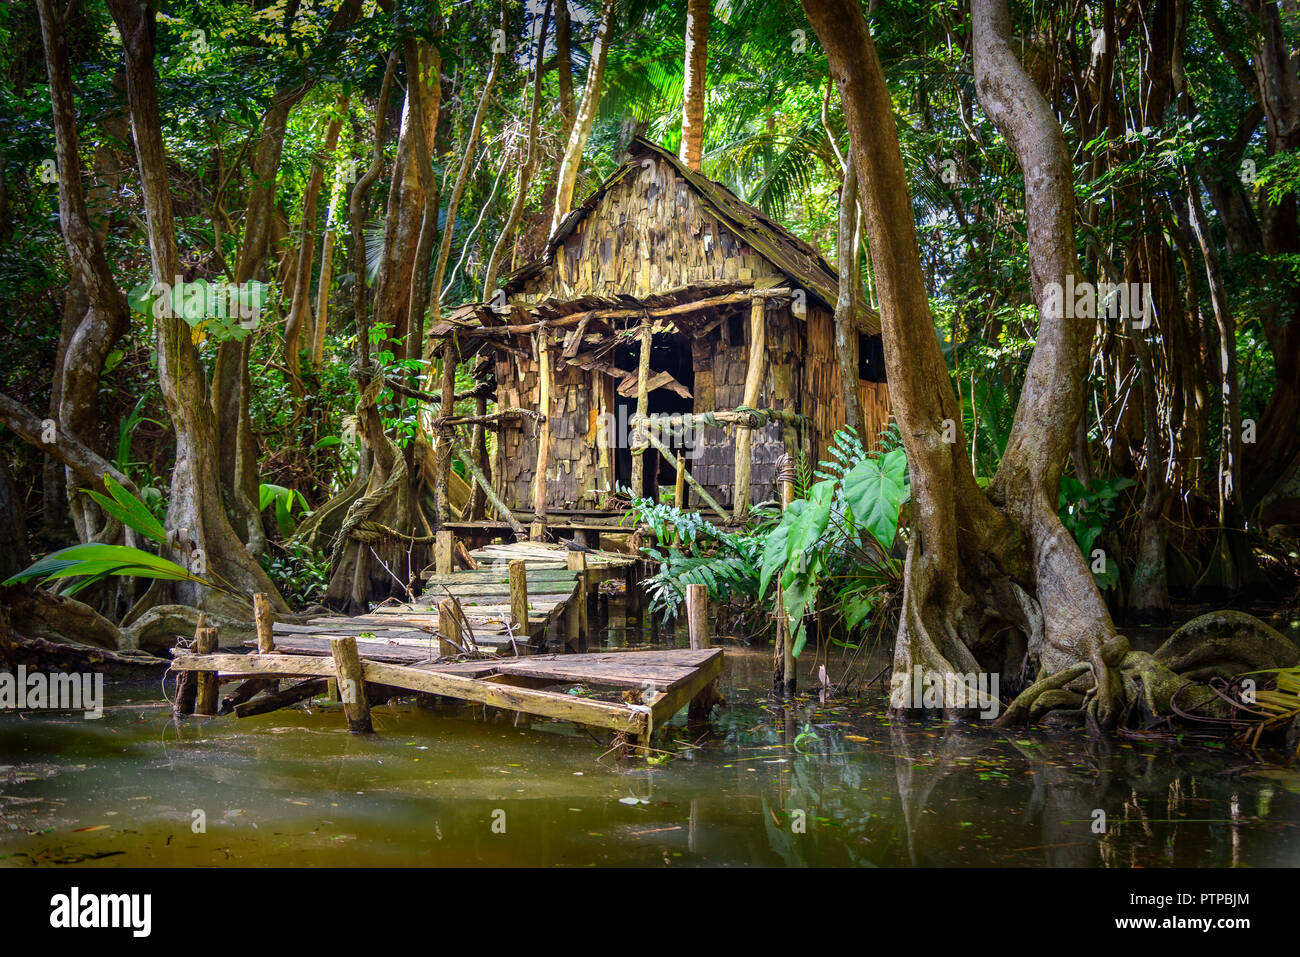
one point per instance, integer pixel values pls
(575, 612)
(352, 685)
(265, 622)
(537, 531)
(632, 596)
(642, 407)
(450, 641)
(783, 667)
(208, 686)
(187, 686)
(476, 508)
(754, 375)
(602, 384)
(543, 425)
(697, 615)
(519, 597)
(444, 545)
(442, 459)
(679, 491)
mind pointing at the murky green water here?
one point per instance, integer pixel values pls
(840, 783)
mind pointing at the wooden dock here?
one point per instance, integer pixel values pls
(474, 645)
(554, 577)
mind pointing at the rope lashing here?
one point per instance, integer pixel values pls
(785, 468)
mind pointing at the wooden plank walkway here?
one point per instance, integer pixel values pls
(398, 646)
(484, 596)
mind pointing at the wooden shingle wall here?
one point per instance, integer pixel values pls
(649, 234)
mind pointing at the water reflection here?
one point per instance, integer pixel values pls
(807, 784)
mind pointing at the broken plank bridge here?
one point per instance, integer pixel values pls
(475, 644)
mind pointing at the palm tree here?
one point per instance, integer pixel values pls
(697, 55)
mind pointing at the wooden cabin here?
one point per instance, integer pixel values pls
(737, 313)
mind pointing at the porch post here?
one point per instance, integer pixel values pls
(754, 375)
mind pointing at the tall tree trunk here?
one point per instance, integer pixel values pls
(563, 65)
(321, 325)
(577, 142)
(299, 319)
(526, 169)
(201, 535)
(1277, 68)
(1231, 556)
(424, 114)
(462, 175)
(368, 564)
(106, 317)
(846, 333)
(13, 529)
(979, 563)
(695, 84)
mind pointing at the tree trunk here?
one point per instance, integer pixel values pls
(106, 317)
(695, 84)
(202, 537)
(846, 333)
(526, 169)
(299, 319)
(563, 66)
(577, 139)
(978, 564)
(13, 529)
(462, 176)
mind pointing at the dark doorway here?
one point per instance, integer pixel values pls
(669, 352)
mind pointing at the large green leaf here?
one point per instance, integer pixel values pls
(128, 510)
(92, 559)
(799, 595)
(774, 547)
(874, 489)
(809, 522)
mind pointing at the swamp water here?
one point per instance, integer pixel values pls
(839, 782)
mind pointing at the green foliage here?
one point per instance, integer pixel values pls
(840, 537)
(829, 550)
(1085, 511)
(300, 574)
(693, 551)
(128, 510)
(284, 500)
(91, 562)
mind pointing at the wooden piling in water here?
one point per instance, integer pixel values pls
(265, 622)
(352, 685)
(450, 641)
(575, 612)
(519, 597)
(187, 686)
(697, 615)
(697, 623)
(205, 643)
